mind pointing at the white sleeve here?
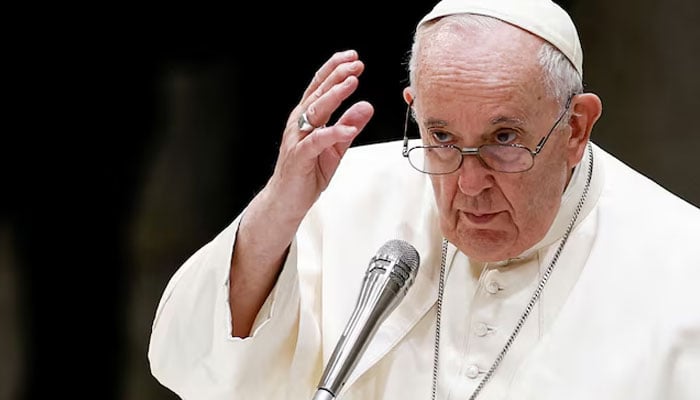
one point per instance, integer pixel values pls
(191, 350)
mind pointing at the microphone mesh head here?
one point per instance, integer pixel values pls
(406, 256)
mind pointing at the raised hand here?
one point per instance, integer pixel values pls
(309, 157)
(309, 154)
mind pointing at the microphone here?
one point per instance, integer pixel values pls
(391, 272)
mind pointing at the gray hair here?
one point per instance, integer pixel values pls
(559, 76)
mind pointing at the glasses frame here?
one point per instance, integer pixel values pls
(474, 151)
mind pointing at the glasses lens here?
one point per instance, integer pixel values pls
(435, 160)
(505, 158)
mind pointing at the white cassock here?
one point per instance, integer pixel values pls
(619, 316)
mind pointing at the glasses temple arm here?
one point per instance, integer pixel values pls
(544, 139)
(405, 130)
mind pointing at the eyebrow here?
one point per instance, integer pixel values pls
(435, 122)
(501, 119)
(507, 120)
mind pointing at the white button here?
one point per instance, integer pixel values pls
(493, 287)
(472, 371)
(481, 329)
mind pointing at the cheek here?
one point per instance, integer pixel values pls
(445, 189)
(539, 197)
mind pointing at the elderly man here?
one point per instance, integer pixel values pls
(548, 269)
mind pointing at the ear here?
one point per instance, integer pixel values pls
(586, 109)
(408, 95)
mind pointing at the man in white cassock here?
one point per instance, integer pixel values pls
(548, 268)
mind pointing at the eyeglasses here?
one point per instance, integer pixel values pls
(446, 159)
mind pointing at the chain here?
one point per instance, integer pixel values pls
(441, 290)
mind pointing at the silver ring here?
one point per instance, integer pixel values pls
(304, 124)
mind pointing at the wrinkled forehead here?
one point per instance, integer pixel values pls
(476, 39)
(459, 58)
(543, 18)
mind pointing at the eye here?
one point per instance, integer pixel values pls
(441, 137)
(505, 136)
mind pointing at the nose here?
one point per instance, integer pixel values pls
(473, 176)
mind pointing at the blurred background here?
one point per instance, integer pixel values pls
(135, 135)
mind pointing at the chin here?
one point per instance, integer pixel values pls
(486, 245)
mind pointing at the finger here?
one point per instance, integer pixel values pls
(337, 86)
(358, 115)
(336, 77)
(320, 110)
(341, 134)
(327, 69)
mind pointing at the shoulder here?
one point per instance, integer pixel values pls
(375, 181)
(370, 166)
(634, 205)
(376, 155)
(646, 243)
(639, 195)
(375, 195)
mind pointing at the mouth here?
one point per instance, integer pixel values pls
(480, 219)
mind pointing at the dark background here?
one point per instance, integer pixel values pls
(134, 136)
